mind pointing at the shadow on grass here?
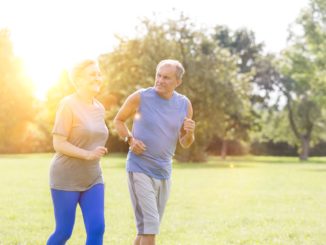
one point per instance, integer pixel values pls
(211, 164)
(315, 170)
(240, 162)
(118, 162)
(250, 162)
(272, 160)
(297, 162)
(27, 155)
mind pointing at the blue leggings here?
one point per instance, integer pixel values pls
(92, 205)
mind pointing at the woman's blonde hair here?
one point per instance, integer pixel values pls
(79, 68)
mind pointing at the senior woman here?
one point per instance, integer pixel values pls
(79, 137)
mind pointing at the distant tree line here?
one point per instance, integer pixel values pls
(244, 100)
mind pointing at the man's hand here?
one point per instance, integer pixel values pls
(137, 146)
(97, 153)
(187, 136)
(189, 125)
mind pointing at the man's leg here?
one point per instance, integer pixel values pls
(137, 240)
(143, 193)
(147, 240)
(144, 240)
(163, 194)
(162, 191)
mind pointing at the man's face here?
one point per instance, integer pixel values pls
(166, 80)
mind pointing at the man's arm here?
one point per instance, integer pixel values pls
(128, 109)
(187, 136)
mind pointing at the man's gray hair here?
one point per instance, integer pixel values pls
(180, 70)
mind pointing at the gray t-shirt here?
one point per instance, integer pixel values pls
(84, 126)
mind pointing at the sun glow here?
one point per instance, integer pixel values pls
(50, 35)
(46, 57)
(43, 74)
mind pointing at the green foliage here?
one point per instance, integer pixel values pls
(304, 78)
(297, 82)
(47, 110)
(16, 100)
(211, 77)
(61, 89)
(241, 116)
(241, 43)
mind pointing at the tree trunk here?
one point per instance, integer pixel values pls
(224, 149)
(195, 153)
(304, 154)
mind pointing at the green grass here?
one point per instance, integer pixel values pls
(248, 200)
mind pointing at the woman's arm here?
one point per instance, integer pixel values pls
(61, 145)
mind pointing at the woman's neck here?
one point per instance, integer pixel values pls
(85, 97)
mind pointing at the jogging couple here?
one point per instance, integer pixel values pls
(163, 117)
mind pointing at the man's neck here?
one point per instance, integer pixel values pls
(165, 95)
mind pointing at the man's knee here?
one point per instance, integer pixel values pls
(148, 226)
(147, 235)
(147, 238)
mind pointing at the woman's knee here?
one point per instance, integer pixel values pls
(65, 234)
(96, 229)
(59, 237)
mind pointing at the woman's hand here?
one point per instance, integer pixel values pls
(97, 153)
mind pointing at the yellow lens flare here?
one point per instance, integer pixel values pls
(137, 116)
(43, 78)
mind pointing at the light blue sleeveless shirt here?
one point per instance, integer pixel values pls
(158, 125)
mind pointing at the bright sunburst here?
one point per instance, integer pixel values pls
(43, 74)
(51, 35)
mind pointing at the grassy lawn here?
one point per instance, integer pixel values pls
(249, 200)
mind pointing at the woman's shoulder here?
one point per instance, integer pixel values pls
(98, 104)
(68, 100)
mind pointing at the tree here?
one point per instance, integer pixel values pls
(16, 99)
(46, 110)
(304, 82)
(242, 43)
(299, 80)
(240, 117)
(211, 77)
(302, 102)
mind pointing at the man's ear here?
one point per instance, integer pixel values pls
(179, 82)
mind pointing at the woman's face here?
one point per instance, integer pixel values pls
(91, 79)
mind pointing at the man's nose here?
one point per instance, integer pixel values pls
(160, 80)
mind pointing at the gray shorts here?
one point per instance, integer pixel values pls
(148, 197)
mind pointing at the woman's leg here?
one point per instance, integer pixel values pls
(92, 206)
(64, 203)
